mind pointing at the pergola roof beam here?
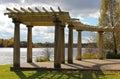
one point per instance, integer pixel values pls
(17, 10)
(39, 17)
(80, 26)
(59, 9)
(74, 20)
(37, 9)
(44, 9)
(23, 9)
(30, 9)
(52, 9)
(10, 10)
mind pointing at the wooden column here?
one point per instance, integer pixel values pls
(79, 48)
(29, 44)
(62, 45)
(16, 54)
(70, 45)
(100, 44)
(57, 62)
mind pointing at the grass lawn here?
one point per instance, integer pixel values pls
(5, 73)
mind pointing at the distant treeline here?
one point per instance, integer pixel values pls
(10, 43)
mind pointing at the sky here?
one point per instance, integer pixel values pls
(88, 11)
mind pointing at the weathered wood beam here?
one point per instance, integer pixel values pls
(74, 20)
(44, 9)
(93, 28)
(52, 9)
(30, 9)
(42, 15)
(37, 9)
(53, 12)
(10, 10)
(80, 26)
(17, 10)
(23, 9)
(59, 9)
(39, 23)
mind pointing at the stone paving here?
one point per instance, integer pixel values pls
(87, 64)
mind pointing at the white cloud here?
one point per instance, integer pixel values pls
(95, 15)
(80, 18)
(22, 1)
(49, 35)
(46, 33)
(78, 9)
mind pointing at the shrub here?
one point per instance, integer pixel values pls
(89, 55)
(46, 55)
(42, 59)
(112, 56)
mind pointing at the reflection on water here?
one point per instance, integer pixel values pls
(6, 54)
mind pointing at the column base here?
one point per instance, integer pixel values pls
(16, 66)
(30, 61)
(57, 65)
(63, 62)
(70, 61)
(101, 58)
(79, 59)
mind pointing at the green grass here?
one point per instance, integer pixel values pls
(5, 73)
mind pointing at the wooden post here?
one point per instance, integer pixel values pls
(62, 46)
(16, 54)
(57, 62)
(100, 44)
(79, 49)
(29, 44)
(70, 45)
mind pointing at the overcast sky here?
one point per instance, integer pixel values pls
(85, 10)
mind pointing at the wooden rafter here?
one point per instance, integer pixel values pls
(85, 27)
(44, 9)
(59, 9)
(30, 9)
(10, 10)
(52, 9)
(38, 18)
(37, 9)
(23, 9)
(17, 10)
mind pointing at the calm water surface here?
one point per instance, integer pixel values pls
(6, 54)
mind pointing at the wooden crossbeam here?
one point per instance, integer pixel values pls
(10, 10)
(37, 9)
(17, 10)
(84, 27)
(52, 9)
(44, 9)
(23, 9)
(55, 14)
(30, 9)
(74, 19)
(59, 9)
(38, 18)
(46, 18)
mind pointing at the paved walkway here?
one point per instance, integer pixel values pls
(88, 64)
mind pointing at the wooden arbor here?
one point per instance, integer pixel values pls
(37, 17)
(58, 19)
(82, 27)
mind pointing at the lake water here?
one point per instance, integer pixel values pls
(6, 54)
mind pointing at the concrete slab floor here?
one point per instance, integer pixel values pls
(93, 64)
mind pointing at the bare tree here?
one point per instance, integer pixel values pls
(46, 52)
(109, 17)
